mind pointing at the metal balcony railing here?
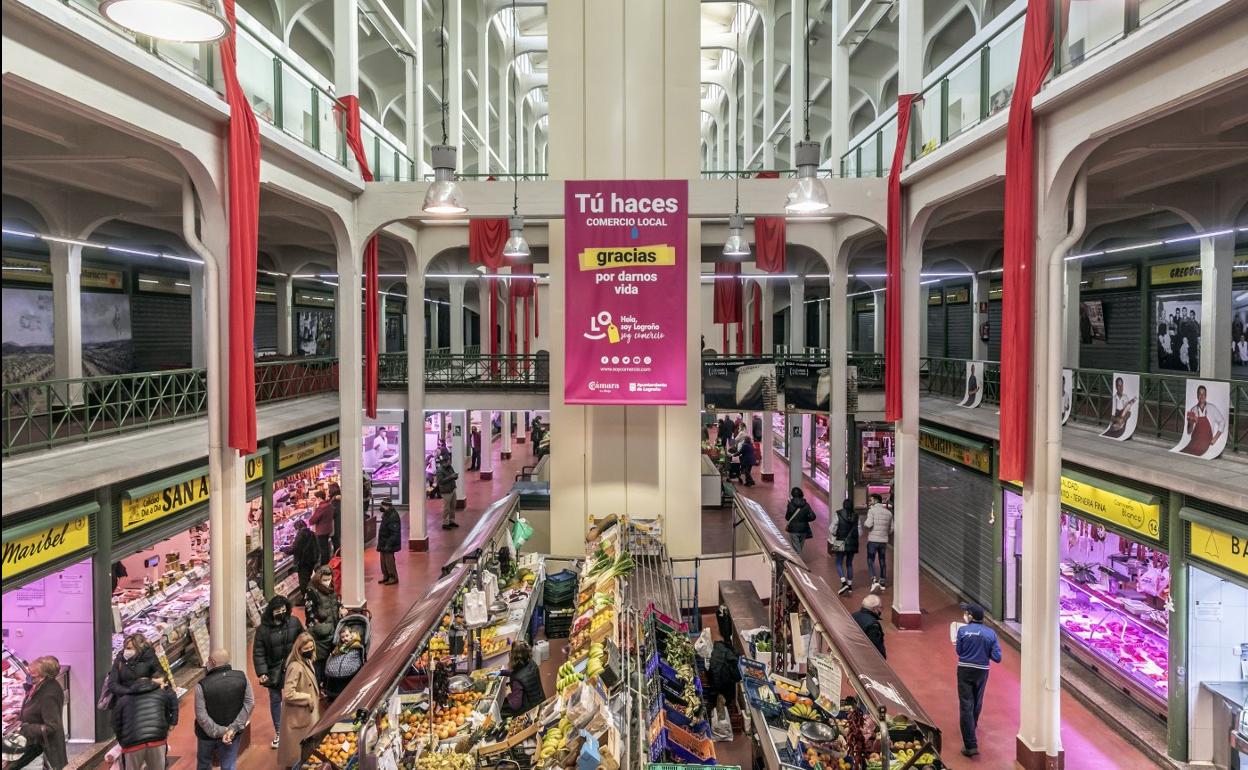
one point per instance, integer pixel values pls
(1161, 406)
(50, 413)
(469, 371)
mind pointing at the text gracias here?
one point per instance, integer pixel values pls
(595, 203)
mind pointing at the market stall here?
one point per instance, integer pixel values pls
(306, 464)
(383, 460)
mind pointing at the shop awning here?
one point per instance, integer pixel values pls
(496, 516)
(391, 658)
(769, 536)
(873, 679)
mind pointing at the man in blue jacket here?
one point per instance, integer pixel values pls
(976, 645)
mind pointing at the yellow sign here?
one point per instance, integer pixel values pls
(1211, 545)
(1134, 515)
(169, 500)
(958, 296)
(977, 457)
(293, 454)
(605, 258)
(38, 271)
(26, 553)
(1187, 272)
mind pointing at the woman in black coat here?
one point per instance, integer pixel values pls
(798, 515)
(40, 717)
(846, 534)
(389, 541)
(137, 660)
(275, 638)
(322, 609)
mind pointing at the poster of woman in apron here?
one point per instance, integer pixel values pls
(1204, 426)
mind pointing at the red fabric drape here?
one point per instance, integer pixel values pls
(356, 143)
(486, 238)
(741, 337)
(892, 283)
(243, 199)
(727, 293)
(1034, 63)
(525, 289)
(769, 244)
(757, 330)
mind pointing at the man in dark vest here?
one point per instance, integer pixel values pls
(223, 703)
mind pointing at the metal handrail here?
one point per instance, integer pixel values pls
(470, 371)
(50, 413)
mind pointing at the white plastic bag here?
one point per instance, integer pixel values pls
(721, 724)
(703, 646)
(476, 609)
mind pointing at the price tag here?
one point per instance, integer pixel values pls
(829, 674)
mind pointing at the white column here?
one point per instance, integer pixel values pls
(747, 317)
(505, 127)
(905, 577)
(769, 310)
(910, 46)
(746, 104)
(980, 287)
(483, 89)
(347, 54)
(530, 146)
(198, 318)
(769, 88)
(66, 264)
(459, 436)
(349, 331)
(839, 88)
(487, 445)
(797, 80)
(505, 449)
(824, 327)
(456, 291)
(284, 296)
(435, 331)
(881, 311)
(837, 373)
(1073, 285)
(1217, 261)
(795, 442)
(381, 324)
(414, 90)
(797, 315)
(519, 139)
(485, 320)
(417, 535)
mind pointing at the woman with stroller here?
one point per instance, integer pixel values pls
(301, 701)
(322, 609)
(346, 658)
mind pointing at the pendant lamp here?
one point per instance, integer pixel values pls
(807, 195)
(181, 21)
(444, 195)
(516, 247)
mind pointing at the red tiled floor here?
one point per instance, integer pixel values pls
(387, 603)
(926, 662)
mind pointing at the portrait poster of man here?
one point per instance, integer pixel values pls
(1205, 419)
(1177, 319)
(1239, 334)
(974, 392)
(1068, 393)
(1124, 406)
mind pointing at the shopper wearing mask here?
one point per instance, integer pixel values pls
(322, 609)
(845, 544)
(389, 541)
(40, 717)
(301, 700)
(142, 719)
(137, 660)
(445, 480)
(879, 526)
(223, 704)
(321, 522)
(306, 553)
(275, 638)
(798, 516)
(526, 681)
(977, 647)
(868, 619)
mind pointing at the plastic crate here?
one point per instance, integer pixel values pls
(698, 748)
(768, 708)
(752, 669)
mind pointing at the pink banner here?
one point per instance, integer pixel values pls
(627, 292)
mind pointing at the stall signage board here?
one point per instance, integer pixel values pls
(971, 454)
(23, 554)
(1139, 516)
(829, 673)
(626, 292)
(1220, 548)
(178, 496)
(39, 271)
(1187, 272)
(294, 453)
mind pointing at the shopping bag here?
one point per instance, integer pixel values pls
(721, 723)
(105, 702)
(476, 609)
(703, 646)
(521, 531)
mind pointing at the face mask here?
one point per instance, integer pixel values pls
(309, 653)
(279, 615)
(128, 654)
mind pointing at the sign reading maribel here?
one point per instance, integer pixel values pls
(45, 545)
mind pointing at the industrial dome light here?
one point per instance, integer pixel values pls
(444, 195)
(736, 246)
(807, 195)
(181, 21)
(516, 247)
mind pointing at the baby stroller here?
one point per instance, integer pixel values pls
(345, 660)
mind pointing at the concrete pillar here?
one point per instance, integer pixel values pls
(794, 445)
(487, 445)
(414, 90)
(797, 315)
(636, 461)
(435, 321)
(505, 449)
(483, 91)
(284, 297)
(381, 323)
(505, 127)
(417, 534)
(1074, 282)
(347, 55)
(747, 317)
(1217, 261)
(349, 329)
(530, 146)
(839, 88)
(769, 88)
(199, 318)
(485, 319)
(65, 260)
(824, 324)
(905, 577)
(910, 45)
(768, 313)
(456, 291)
(797, 79)
(459, 435)
(838, 366)
(519, 138)
(881, 300)
(980, 286)
(767, 463)
(747, 104)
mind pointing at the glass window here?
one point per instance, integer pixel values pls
(1003, 53)
(929, 121)
(297, 115)
(888, 143)
(870, 155)
(185, 56)
(255, 73)
(850, 164)
(1151, 8)
(330, 138)
(1090, 26)
(964, 96)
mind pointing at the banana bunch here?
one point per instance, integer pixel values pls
(902, 756)
(597, 660)
(552, 744)
(803, 711)
(567, 676)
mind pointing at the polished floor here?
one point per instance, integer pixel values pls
(924, 659)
